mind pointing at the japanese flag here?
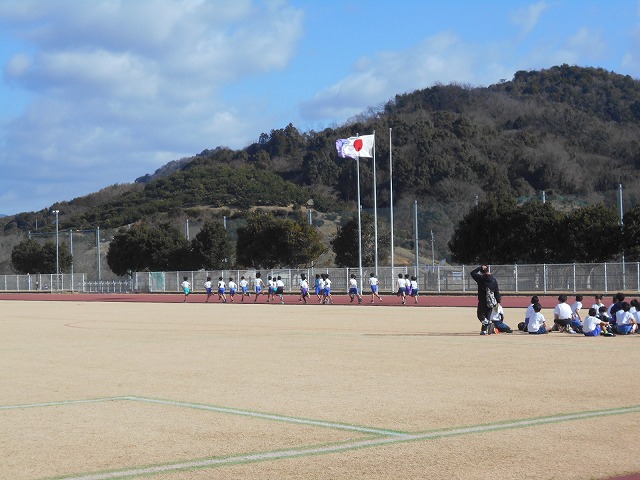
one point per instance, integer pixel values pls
(355, 147)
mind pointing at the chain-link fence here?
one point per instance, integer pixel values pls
(585, 277)
(526, 279)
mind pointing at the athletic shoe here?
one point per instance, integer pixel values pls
(482, 332)
(571, 331)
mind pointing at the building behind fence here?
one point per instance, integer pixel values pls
(526, 279)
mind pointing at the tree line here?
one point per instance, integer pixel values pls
(497, 230)
(264, 242)
(500, 231)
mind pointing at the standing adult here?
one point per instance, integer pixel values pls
(486, 283)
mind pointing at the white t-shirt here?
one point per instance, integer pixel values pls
(353, 283)
(279, 283)
(590, 323)
(624, 318)
(221, 283)
(495, 313)
(244, 283)
(258, 282)
(529, 313)
(327, 283)
(186, 284)
(207, 284)
(373, 281)
(414, 285)
(401, 283)
(233, 286)
(304, 283)
(562, 311)
(536, 321)
(575, 310)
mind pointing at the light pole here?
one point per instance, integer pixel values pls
(57, 253)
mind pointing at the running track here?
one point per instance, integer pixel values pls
(425, 300)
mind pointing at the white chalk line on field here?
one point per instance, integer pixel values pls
(391, 437)
(211, 408)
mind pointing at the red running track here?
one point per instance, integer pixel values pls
(425, 300)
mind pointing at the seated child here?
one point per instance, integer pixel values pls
(537, 323)
(594, 326)
(527, 315)
(625, 321)
(603, 315)
(497, 317)
(576, 319)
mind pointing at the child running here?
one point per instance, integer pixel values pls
(319, 284)
(402, 288)
(258, 284)
(244, 288)
(373, 282)
(232, 288)
(186, 288)
(221, 290)
(414, 288)
(207, 287)
(304, 288)
(271, 288)
(326, 292)
(280, 289)
(353, 289)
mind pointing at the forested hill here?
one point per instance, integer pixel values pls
(573, 132)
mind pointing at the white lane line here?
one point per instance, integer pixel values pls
(267, 416)
(292, 453)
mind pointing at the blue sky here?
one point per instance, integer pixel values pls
(99, 92)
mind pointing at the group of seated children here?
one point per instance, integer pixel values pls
(620, 318)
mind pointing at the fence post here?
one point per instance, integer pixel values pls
(438, 278)
(515, 268)
(544, 277)
(606, 285)
(464, 280)
(574, 278)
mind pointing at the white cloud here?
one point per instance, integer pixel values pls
(527, 17)
(120, 86)
(441, 58)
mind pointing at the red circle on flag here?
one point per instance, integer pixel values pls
(357, 145)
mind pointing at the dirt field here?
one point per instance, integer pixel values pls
(172, 391)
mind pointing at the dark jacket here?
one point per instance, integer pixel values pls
(484, 281)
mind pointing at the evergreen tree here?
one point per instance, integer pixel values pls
(211, 248)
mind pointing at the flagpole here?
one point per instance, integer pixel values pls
(391, 202)
(359, 222)
(375, 206)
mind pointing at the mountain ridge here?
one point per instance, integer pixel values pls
(569, 131)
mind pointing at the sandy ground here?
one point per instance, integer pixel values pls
(124, 390)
